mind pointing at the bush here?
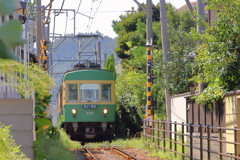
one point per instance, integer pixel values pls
(53, 145)
(8, 148)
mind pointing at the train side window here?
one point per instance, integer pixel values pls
(106, 92)
(72, 93)
(89, 92)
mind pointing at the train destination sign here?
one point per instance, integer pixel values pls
(89, 106)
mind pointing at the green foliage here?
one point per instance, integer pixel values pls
(46, 147)
(6, 7)
(110, 65)
(8, 148)
(29, 78)
(130, 88)
(10, 32)
(31, 8)
(132, 82)
(218, 57)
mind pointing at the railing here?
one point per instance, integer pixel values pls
(193, 145)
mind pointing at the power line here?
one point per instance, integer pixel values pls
(77, 9)
(60, 9)
(94, 15)
(55, 18)
(66, 22)
(49, 12)
(89, 18)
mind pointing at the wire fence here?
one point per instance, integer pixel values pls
(181, 140)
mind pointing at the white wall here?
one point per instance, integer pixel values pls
(178, 110)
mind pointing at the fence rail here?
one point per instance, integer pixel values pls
(191, 144)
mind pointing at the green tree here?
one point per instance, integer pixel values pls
(28, 77)
(10, 32)
(218, 59)
(134, 59)
(110, 64)
(8, 148)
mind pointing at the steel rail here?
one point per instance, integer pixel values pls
(90, 153)
(124, 153)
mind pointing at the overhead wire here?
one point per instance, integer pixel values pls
(60, 9)
(49, 12)
(89, 17)
(77, 9)
(94, 16)
(66, 22)
(55, 19)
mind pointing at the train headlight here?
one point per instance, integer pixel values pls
(105, 111)
(74, 111)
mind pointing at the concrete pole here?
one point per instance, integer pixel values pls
(165, 55)
(200, 28)
(200, 10)
(149, 21)
(38, 28)
(190, 7)
(149, 113)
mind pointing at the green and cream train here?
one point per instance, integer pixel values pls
(86, 103)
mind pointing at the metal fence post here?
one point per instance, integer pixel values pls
(201, 142)
(170, 134)
(220, 142)
(158, 124)
(164, 136)
(208, 141)
(183, 150)
(175, 137)
(148, 129)
(235, 141)
(153, 131)
(191, 141)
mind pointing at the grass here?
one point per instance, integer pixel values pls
(157, 151)
(149, 146)
(8, 148)
(60, 148)
(52, 148)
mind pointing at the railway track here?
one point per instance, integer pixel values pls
(108, 152)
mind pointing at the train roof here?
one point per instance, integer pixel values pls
(89, 74)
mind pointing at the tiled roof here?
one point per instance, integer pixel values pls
(185, 7)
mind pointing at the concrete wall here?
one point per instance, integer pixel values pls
(19, 114)
(178, 107)
(232, 106)
(178, 110)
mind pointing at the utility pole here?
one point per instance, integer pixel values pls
(38, 27)
(200, 28)
(190, 7)
(165, 56)
(149, 108)
(149, 61)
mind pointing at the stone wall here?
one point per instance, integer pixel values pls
(19, 114)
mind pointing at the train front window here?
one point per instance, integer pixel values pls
(106, 92)
(89, 92)
(72, 92)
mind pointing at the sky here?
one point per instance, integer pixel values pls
(95, 15)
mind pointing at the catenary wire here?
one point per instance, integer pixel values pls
(94, 15)
(60, 9)
(77, 9)
(89, 16)
(66, 22)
